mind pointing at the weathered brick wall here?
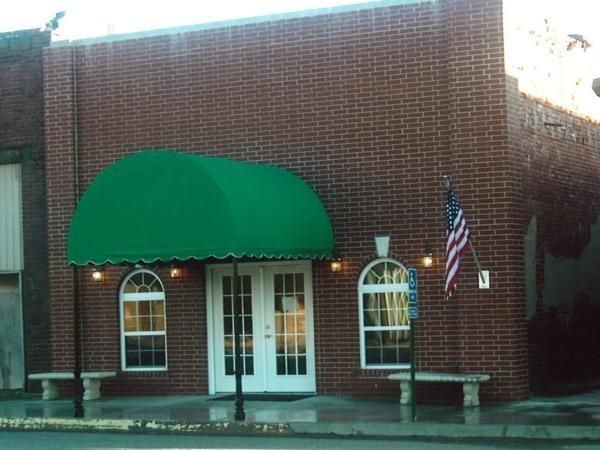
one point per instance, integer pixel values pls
(371, 108)
(22, 141)
(561, 172)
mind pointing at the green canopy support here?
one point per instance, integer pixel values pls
(160, 205)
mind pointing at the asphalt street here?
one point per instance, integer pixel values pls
(70, 441)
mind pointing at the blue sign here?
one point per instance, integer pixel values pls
(413, 294)
(412, 298)
(413, 312)
(412, 280)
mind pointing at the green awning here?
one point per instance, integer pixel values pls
(161, 205)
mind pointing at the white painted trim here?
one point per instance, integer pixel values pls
(372, 289)
(373, 263)
(145, 296)
(378, 288)
(261, 267)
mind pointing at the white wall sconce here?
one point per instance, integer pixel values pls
(382, 245)
(175, 272)
(336, 265)
(428, 258)
(98, 274)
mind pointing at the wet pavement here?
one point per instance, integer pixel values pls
(569, 417)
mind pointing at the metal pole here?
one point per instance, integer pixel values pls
(476, 262)
(413, 390)
(78, 402)
(237, 317)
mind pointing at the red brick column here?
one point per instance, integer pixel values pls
(490, 323)
(60, 150)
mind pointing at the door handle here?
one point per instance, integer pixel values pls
(267, 335)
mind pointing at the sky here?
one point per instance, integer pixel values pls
(90, 18)
(85, 18)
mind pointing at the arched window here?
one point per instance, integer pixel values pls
(143, 322)
(384, 324)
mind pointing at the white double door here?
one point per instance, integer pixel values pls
(276, 328)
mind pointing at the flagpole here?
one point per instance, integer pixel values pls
(476, 261)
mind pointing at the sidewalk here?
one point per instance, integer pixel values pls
(572, 417)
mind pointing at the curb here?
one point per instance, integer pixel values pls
(141, 426)
(455, 431)
(383, 430)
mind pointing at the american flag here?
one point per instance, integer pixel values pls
(457, 239)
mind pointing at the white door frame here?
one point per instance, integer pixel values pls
(261, 266)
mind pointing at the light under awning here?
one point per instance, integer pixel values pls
(161, 205)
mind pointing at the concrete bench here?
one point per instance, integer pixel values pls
(91, 383)
(470, 384)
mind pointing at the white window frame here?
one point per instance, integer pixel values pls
(377, 288)
(134, 297)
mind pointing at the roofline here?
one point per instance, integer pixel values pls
(239, 22)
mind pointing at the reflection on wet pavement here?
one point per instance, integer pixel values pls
(570, 410)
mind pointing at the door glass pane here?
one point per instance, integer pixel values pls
(246, 327)
(290, 324)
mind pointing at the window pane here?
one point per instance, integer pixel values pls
(228, 325)
(132, 359)
(228, 345)
(291, 365)
(247, 325)
(159, 342)
(301, 365)
(228, 365)
(158, 324)
(301, 344)
(158, 307)
(248, 365)
(227, 306)
(143, 308)
(280, 365)
(144, 323)
(226, 285)
(130, 287)
(299, 282)
(289, 283)
(278, 283)
(160, 358)
(247, 305)
(146, 358)
(246, 285)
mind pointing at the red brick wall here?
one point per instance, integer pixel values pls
(22, 141)
(560, 165)
(371, 108)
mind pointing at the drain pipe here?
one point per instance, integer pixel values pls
(78, 401)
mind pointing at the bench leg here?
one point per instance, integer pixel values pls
(50, 390)
(471, 392)
(91, 388)
(405, 393)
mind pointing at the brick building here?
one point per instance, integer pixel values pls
(370, 106)
(24, 304)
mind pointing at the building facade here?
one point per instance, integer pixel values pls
(371, 106)
(24, 297)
